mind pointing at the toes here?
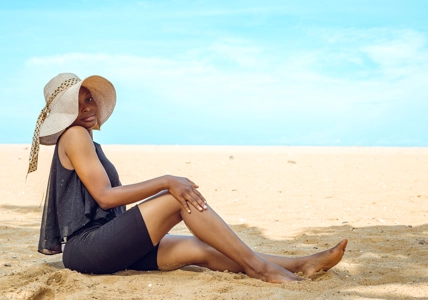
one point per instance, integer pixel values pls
(342, 244)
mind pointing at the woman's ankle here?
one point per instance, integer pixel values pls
(256, 267)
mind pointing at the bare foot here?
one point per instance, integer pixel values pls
(324, 260)
(272, 273)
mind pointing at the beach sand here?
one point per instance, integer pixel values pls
(291, 201)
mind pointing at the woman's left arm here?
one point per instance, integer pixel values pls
(80, 150)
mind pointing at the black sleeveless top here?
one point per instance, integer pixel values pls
(68, 204)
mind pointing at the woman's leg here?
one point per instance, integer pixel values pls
(177, 251)
(163, 212)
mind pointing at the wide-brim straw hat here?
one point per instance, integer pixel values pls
(62, 107)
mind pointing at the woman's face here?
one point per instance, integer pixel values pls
(88, 110)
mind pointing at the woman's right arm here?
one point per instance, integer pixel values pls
(80, 150)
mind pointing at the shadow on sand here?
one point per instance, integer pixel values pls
(391, 257)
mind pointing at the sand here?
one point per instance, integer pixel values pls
(290, 201)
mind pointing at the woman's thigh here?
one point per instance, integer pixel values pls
(176, 251)
(113, 247)
(161, 213)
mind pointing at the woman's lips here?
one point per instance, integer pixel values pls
(89, 119)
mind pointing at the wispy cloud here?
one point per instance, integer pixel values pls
(278, 71)
(387, 53)
(240, 72)
(354, 78)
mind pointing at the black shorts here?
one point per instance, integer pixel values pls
(104, 248)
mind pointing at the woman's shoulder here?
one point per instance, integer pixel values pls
(76, 134)
(74, 143)
(76, 131)
(76, 138)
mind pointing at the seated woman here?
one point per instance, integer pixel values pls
(85, 203)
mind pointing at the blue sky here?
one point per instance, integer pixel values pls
(330, 73)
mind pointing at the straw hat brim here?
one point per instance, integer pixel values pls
(64, 109)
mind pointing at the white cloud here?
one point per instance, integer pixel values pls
(388, 53)
(269, 62)
(394, 63)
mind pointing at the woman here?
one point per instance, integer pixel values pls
(85, 203)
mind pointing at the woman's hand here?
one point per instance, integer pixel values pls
(185, 191)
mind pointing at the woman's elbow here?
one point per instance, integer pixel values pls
(103, 201)
(104, 205)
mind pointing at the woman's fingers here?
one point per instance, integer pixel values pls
(201, 197)
(190, 197)
(195, 201)
(198, 194)
(194, 184)
(185, 205)
(185, 191)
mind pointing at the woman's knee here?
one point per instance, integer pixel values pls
(202, 251)
(183, 250)
(163, 200)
